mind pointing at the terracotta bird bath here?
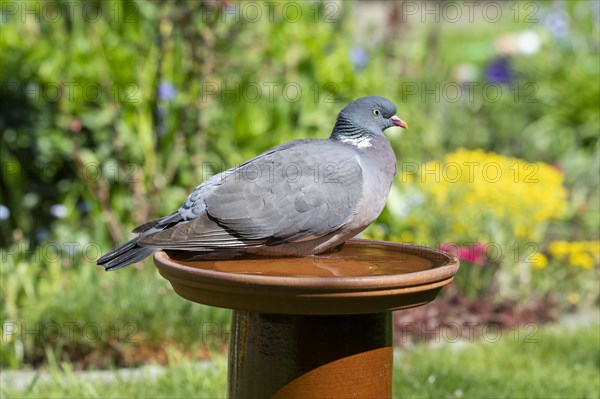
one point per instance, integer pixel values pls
(313, 327)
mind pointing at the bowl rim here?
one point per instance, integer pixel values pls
(191, 276)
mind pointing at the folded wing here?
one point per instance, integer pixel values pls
(299, 191)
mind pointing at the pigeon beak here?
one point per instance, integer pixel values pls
(399, 122)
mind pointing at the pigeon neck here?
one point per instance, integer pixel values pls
(346, 130)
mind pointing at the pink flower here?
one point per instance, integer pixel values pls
(475, 253)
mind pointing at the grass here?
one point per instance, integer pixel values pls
(554, 362)
(183, 379)
(98, 318)
(551, 363)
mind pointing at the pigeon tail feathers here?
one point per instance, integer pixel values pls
(126, 254)
(132, 251)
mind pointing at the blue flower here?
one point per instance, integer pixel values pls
(59, 211)
(4, 212)
(42, 234)
(359, 57)
(166, 91)
(83, 207)
(500, 71)
(557, 23)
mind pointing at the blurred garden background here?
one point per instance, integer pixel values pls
(111, 112)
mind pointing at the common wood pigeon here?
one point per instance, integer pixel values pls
(296, 199)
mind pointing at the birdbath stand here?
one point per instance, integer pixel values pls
(313, 327)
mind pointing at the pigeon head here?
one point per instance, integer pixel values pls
(365, 118)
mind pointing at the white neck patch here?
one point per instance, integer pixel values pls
(361, 142)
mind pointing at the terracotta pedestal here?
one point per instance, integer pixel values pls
(314, 327)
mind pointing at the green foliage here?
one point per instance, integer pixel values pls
(78, 315)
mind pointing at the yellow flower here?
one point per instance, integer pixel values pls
(406, 236)
(573, 298)
(508, 193)
(539, 260)
(559, 249)
(581, 259)
(459, 228)
(520, 231)
(582, 254)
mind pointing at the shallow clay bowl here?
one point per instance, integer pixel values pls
(363, 277)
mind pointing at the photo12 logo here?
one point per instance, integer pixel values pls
(91, 172)
(125, 93)
(61, 11)
(253, 92)
(468, 92)
(453, 332)
(70, 331)
(469, 11)
(270, 11)
(469, 171)
(54, 251)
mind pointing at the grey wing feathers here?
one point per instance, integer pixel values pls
(303, 189)
(161, 223)
(202, 233)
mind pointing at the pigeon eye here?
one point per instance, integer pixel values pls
(376, 112)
